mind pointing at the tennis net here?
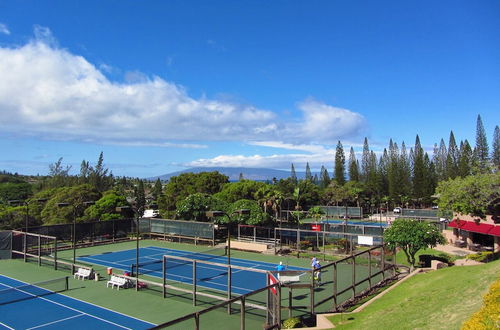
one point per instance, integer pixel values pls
(152, 266)
(34, 290)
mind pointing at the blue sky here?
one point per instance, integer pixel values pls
(161, 86)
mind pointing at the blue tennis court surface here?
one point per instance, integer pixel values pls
(29, 307)
(208, 276)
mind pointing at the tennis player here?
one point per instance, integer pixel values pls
(280, 267)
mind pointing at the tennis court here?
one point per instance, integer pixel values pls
(208, 275)
(25, 306)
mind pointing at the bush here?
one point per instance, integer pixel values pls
(304, 245)
(488, 317)
(482, 256)
(292, 323)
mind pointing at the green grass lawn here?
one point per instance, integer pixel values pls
(441, 299)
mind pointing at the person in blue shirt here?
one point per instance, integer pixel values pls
(313, 262)
(280, 267)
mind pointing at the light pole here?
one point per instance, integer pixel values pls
(75, 207)
(137, 216)
(214, 214)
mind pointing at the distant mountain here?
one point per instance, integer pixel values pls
(256, 174)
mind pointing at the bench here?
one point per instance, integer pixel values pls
(119, 282)
(83, 273)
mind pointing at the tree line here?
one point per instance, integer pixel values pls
(397, 176)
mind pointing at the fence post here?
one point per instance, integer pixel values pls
(278, 289)
(55, 254)
(197, 321)
(335, 286)
(353, 277)
(229, 288)
(164, 270)
(312, 292)
(194, 282)
(370, 269)
(242, 312)
(382, 254)
(40, 250)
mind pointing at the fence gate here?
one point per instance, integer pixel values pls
(273, 303)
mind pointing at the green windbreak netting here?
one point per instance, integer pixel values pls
(5, 244)
(419, 213)
(182, 228)
(340, 211)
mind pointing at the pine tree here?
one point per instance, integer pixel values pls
(465, 160)
(353, 166)
(365, 161)
(419, 171)
(404, 172)
(339, 164)
(452, 158)
(383, 170)
(495, 153)
(309, 176)
(481, 150)
(293, 175)
(157, 189)
(324, 179)
(440, 161)
(140, 196)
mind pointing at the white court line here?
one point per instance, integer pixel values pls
(76, 310)
(5, 325)
(61, 320)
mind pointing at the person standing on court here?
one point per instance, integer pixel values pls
(317, 273)
(313, 262)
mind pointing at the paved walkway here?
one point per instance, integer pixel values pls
(450, 249)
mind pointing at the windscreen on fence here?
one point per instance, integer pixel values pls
(182, 228)
(87, 231)
(5, 244)
(340, 211)
(418, 213)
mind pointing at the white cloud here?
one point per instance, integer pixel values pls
(4, 29)
(325, 122)
(259, 161)
(49, 92)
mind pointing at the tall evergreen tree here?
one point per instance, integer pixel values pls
(339, 164)
(365, 161)
(157, 189)
(353, 166)
(309, 176)
(293, 175)
(440, 156)
(465, 160)
(495, 153)
(404, 172)
(324, 179)
(419, 171)
(140, 196)
(383, 170)
(372, 182)
(452, 158)
(481, 150)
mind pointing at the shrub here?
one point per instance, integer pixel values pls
(304, 245)
(482, 256)
(488, 317)
(292, 323)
